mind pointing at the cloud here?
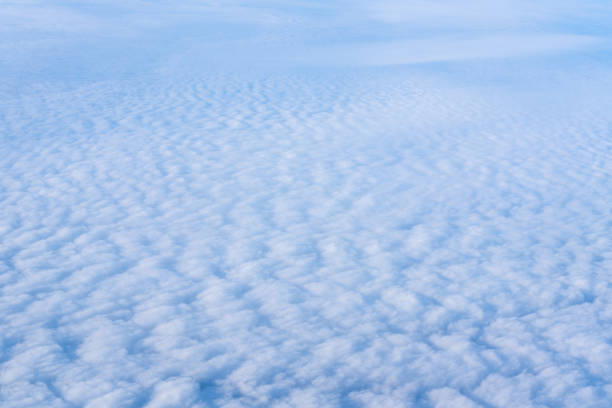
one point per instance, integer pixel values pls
(176, 233)
(481, 14)
(445, 49)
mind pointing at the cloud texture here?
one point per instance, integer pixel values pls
(184, 224)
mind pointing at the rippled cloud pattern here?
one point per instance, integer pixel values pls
(305, 204)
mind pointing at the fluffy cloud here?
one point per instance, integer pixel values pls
(185, 235)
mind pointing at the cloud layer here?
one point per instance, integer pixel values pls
(204, 229)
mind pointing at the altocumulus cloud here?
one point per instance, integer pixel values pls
(305, 205)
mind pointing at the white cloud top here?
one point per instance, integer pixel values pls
(305, 204)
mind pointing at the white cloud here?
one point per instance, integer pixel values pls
(445, 49)
(177, 234)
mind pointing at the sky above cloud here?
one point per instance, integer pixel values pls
(316, 32)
